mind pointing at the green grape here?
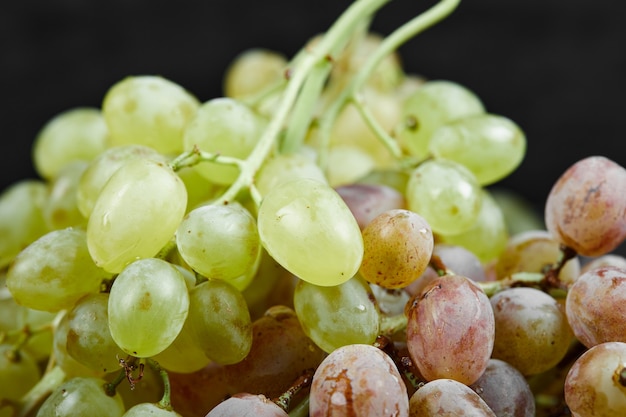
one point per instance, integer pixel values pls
(61, 208)
(89, 340)
(488, 236)
(519, 213)
(307, 227)
(184, 355)
(78, 134)
(220, 321)
(148, 110)
(225, 126)
(102, 167)
(433, 104)
(489, 145)
(54, 271)
(348, 163)
(219, 241)
(286, 167)
(80, 396)
(21, 217)
(339, 315)
(253, 71)
(150, 410)
(63, 359)
(139, 195)
(147, 293)
(18, 372)
(446, 194)
(199, 190)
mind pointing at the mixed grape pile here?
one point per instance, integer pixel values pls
(326, 238)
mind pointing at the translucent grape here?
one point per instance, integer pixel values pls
(81, 396)
(19, 372)
(461, 261)
(433, 104)
(225, 126)
(348, 163)
(101, 168)
(148, 110)
(448, 397)
(532, 333)
(398, 245)
(338, 315)
(63, 359)
(253, 71)
(220, 321)
(146, 293)
(61, 208)
(489, 145)
(594, 385)
(446, 194)
(150, 410)
(54, 271)
(358, 380)
(184, 355)
(21, 217)
(138, 195)
(77, 134)
(583, 211)
(367, 201)
(450, 330)
(596, 306)
(247, 405)
(219, 241)
(306, 226)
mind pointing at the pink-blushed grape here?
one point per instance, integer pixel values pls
(247, 405)
(450, 398)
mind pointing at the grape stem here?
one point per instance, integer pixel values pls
(165, 401)
(300, 384)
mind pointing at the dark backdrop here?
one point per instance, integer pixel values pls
(556, 67)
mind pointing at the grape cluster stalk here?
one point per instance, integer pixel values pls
(325, 238)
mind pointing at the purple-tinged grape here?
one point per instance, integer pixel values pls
(448, 398)
(358, 381)
(451, 329)
(505, 390)
(366, 201)
(610, 259)
(532, 333)
(585, 210)
(596, 306)
(461, 261)
(398, 245)
(596, 383)
(247, 405)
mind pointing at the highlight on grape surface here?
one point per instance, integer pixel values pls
(326, 237)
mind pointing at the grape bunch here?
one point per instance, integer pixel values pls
(326, 238)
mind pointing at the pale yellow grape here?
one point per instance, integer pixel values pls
(61, 208)
(347, 164)
(136, 214)
(53, 272)
(307, 227)
(184, 355)
(489, 145)
(148, 305)
(103, 167)
(70, 366)
(225, 126)
(446, 194)
(286, 167)
(199, 189)
(219, 240)
(81, 397)
(433, 104)
(19, 372)
(488, 237)
(21, 217)
(253, 71)
(148, 110)
(75, 134)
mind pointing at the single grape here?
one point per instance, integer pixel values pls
(610, 259)
(450, 330)
(583, 211)
(348, 163)
(446, 194)
(63, 359)
(185, 354)
(358, 380)
(55, 271)
(19, 372)
(367, 201)
(247, 405)
(398, 245)
(148, 110)
(80, 396)
(532, 332)
(460, 261)
(138, 195)
(252, 71)
(219, 241)
(448, 398)
(596, 306)
(147, 293)
(61, 208)
(77, 134)
(338, 315)
(150, 410)
(595, 384)
(306, 226)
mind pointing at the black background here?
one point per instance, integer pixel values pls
(557, 68)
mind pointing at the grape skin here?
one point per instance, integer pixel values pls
(448, 398)
(247, 405)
